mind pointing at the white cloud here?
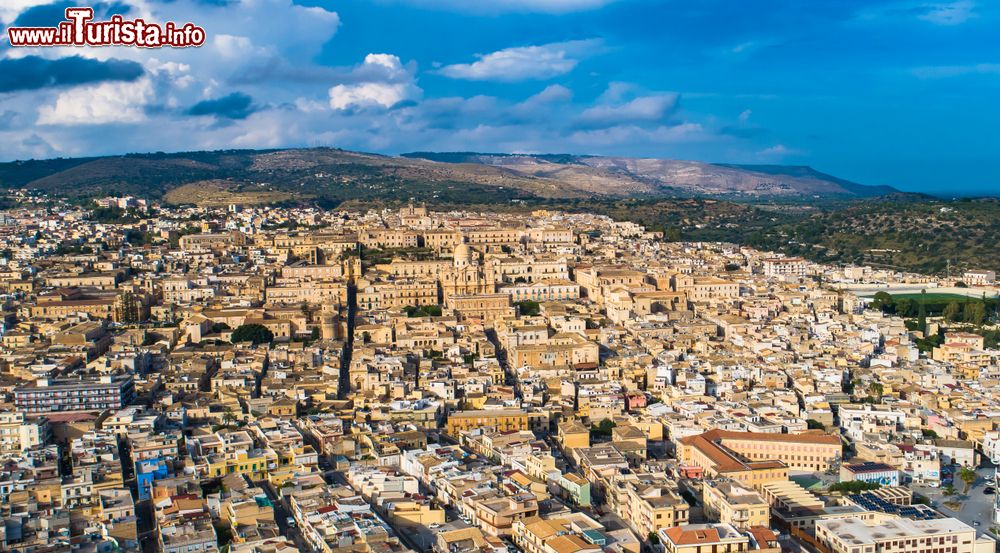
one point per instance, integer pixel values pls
(551, 94)
(745, 115)
(9, 9)
(778, 151)
(524, 62)
(106, 103)
(644, 108)
(392, 83)
(367, 94)
(234, 46)
(307, 104)
(949, 13)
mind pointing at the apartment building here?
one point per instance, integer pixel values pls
(733, 503)
(18, 433)
(503, 420)
(55, 395)
(784, 266)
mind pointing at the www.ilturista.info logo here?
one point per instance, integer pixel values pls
(79, 29)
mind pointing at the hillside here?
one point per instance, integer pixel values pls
(332, 176)
(917, 236)
(639, 177)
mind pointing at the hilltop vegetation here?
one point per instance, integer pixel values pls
(915, 236)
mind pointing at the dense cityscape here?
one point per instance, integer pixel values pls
(279, 379)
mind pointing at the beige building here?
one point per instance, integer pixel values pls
(734, 503)
(503, 420)
(703, 538)
(573, 434)
(810, 451)
(484, 307)
(561, 351)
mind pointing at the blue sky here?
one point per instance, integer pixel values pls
(898, 92)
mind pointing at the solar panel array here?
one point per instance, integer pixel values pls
(872, 502)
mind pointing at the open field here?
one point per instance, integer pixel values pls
(215, 193)
(912, 291)
(929, 296)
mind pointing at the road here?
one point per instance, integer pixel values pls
(976, 506)
(281, 515)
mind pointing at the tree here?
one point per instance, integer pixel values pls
(975, 313)
(854, 486)
(968, 477)
(952, 311)
(255, 333)
(528, 308)
(604, 428)
(228, 417)
(922, 312)
(875, 390)
(882, 301)
(416, 311)
(813, 424)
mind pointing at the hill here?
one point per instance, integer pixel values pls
(333, 175)
(639, 177)
(921, 236)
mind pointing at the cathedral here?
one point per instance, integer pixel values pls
(467, 276)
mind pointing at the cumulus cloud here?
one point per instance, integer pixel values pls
(524, 62)
(107, 103)
(49, 15)
(10, 10)
(254, 85)
(385, 82)
(34, 72)
(543, 101)
(651, 108)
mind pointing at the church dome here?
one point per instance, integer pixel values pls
(463, 255)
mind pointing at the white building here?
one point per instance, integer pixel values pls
(979, 278)
(884, 534)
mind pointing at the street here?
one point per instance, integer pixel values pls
(976, 506)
